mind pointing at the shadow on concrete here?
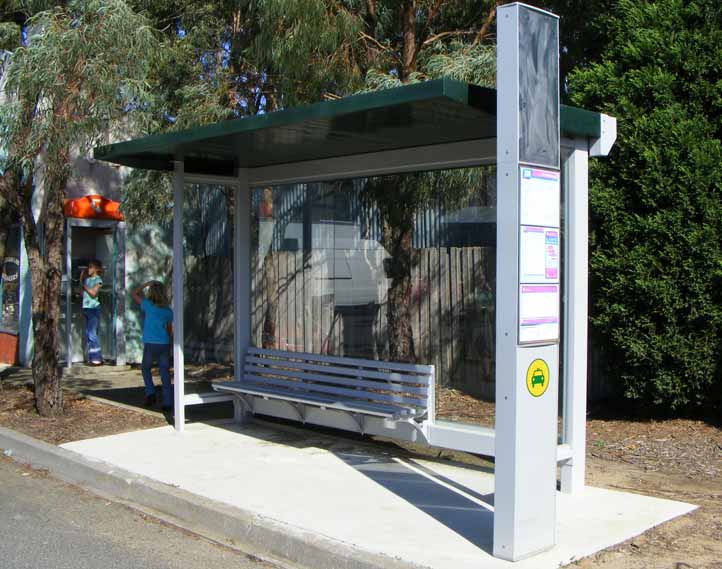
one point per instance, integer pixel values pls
(444, 500)
(135, 397)
(459, 508)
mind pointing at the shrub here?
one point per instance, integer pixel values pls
(656, 202)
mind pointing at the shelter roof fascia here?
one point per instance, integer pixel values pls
(156, 152)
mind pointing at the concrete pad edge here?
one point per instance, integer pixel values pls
(249, 532)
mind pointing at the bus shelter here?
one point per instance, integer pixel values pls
(536, 223)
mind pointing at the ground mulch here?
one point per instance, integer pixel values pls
(455, 405)
(83, 418)
(689, 447)
(681, 446)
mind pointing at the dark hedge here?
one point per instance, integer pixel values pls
(656, 202)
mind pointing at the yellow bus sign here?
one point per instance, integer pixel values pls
(537, 377)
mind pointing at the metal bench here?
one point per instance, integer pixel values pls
(393, 392)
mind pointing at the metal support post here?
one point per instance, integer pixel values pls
(25, 307)
(241, 271)
(68, 294)
(119, 320)
(575, 318)
(178, 300)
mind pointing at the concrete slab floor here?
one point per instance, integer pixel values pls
(431, 513)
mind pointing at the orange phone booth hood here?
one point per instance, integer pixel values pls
(93, 207)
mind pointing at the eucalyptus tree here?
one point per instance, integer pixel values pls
(81, 69)
(231, 59)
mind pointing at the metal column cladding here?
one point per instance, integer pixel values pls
(528, 281)
(538, 88)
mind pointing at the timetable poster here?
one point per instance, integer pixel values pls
(539, 255)
(539, 197)
(538, 313)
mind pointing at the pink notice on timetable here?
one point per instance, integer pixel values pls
(551, 243)
(544, 174)
(539, 288)
(540, 309)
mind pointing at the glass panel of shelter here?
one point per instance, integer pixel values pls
(208, 275)
(395, 268)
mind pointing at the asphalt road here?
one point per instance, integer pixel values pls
(47, 524)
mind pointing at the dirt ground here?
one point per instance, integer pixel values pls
(678, 459)
(83, 418)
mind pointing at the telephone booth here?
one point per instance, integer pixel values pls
(94, 230)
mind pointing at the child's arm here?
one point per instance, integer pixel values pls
(169, 329)
(92, 290)
(137, 293)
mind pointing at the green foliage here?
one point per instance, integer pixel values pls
(222, 60)
(656, 202)
(147, 197)
(309, 47)
(9, 36)
(82, 67)
(469, 62)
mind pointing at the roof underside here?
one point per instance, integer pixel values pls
(423, 114)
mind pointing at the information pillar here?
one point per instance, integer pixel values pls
(528, 281)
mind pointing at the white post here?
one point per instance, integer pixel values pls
(527, 301)
(25, 307)
(68, 294)
(178, 301)
(575, 346)
(119, 328)
(241, 280)
(242, 270)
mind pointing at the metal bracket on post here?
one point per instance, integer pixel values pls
(242, 408)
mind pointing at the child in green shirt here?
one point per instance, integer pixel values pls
(91, 283)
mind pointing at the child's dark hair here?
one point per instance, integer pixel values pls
(156, 294)
(95, 264)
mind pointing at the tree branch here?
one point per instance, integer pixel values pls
(441, 35)
(484, 30)
(377, 43)
(433, 11)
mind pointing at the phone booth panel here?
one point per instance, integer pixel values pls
(87, 240)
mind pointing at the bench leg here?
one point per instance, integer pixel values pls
(241, 415)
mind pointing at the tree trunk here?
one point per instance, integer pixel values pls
(401, 339)
(409, 48)
(45, 261)
(270, 287)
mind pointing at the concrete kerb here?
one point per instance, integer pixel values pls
(256, 535)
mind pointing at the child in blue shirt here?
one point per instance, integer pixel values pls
(91, 282)
(157, 333)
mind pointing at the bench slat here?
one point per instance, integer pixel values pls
(320, 388)
(378, 410)
(342, 381)
(349, 371)
(343, 361)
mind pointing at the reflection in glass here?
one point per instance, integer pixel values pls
(395, 268)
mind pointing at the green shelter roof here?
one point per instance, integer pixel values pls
(421, 114)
